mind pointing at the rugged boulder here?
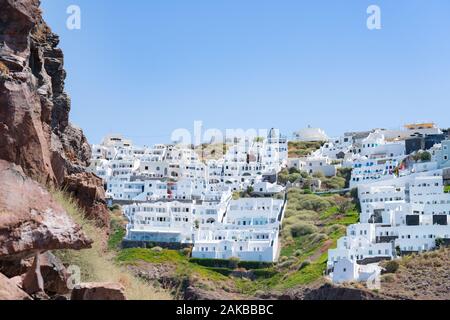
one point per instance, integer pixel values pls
(34, 108)
(323, 291)
(98, 291)
(333, 292)
(31, 220)
(90, 194)
(47, 274)
(32, 282)
(10, 291)
(55, 275)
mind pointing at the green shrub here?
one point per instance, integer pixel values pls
(114, 207)
(264, 273)
(186, 252)
(334, 183)
(287, 263)
(304, 264)
(439, 242)
(313, 202)
(223, 271)
(293, 170)
(301, 229)
(298, 252)
(317, 238)
(391, 266)
(233, 263)
(335, 228)
(318, 175)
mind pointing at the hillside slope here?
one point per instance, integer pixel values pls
(420, 277)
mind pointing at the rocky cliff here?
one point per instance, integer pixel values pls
(34, 108)
(39, 148)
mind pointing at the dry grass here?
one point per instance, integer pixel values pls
(98, 264)
(420, 276)
(3, 69)
(211, 151)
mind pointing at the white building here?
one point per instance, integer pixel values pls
(171, 196)
(250, 232)
(346, 270)
(409, 130)
(405, 214)
(368, 170)
(267, 188)
(311, 135)
(320, 164)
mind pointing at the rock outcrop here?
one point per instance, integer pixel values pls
(35, 131)
(55, 275)
(39, 146)
(49, 267)
(323, 291)
(31, 220)
(98, 291)
(90, 194)
(10, 291)
(34, 109)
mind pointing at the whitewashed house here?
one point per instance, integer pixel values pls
(171, 196)
(267, 189)
(250, 232)
(310, 135)
(400, 215)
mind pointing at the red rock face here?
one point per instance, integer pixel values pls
(31, 220)
(88, 190)
(35, 132)
(10, 291)
(98, 291)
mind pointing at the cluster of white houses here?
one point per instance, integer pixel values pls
(170, 195)
(404, 207)
(373, 155)
(403, 211)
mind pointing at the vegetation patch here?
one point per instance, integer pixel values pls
(299, 149)
(117, 229)
(184, 267)
(98, 264)
(4, 70)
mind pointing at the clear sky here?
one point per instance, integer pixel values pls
(146, 67)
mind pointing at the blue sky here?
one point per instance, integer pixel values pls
(146, 67)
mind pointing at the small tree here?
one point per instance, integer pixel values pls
(439, 242)
(425, 156)
(345, 206)
(392, 266)
(293, 170)
(233, 263)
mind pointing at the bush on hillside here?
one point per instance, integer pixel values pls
(304, 264)
(302, 229)
(391, 266)
(313, 202)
